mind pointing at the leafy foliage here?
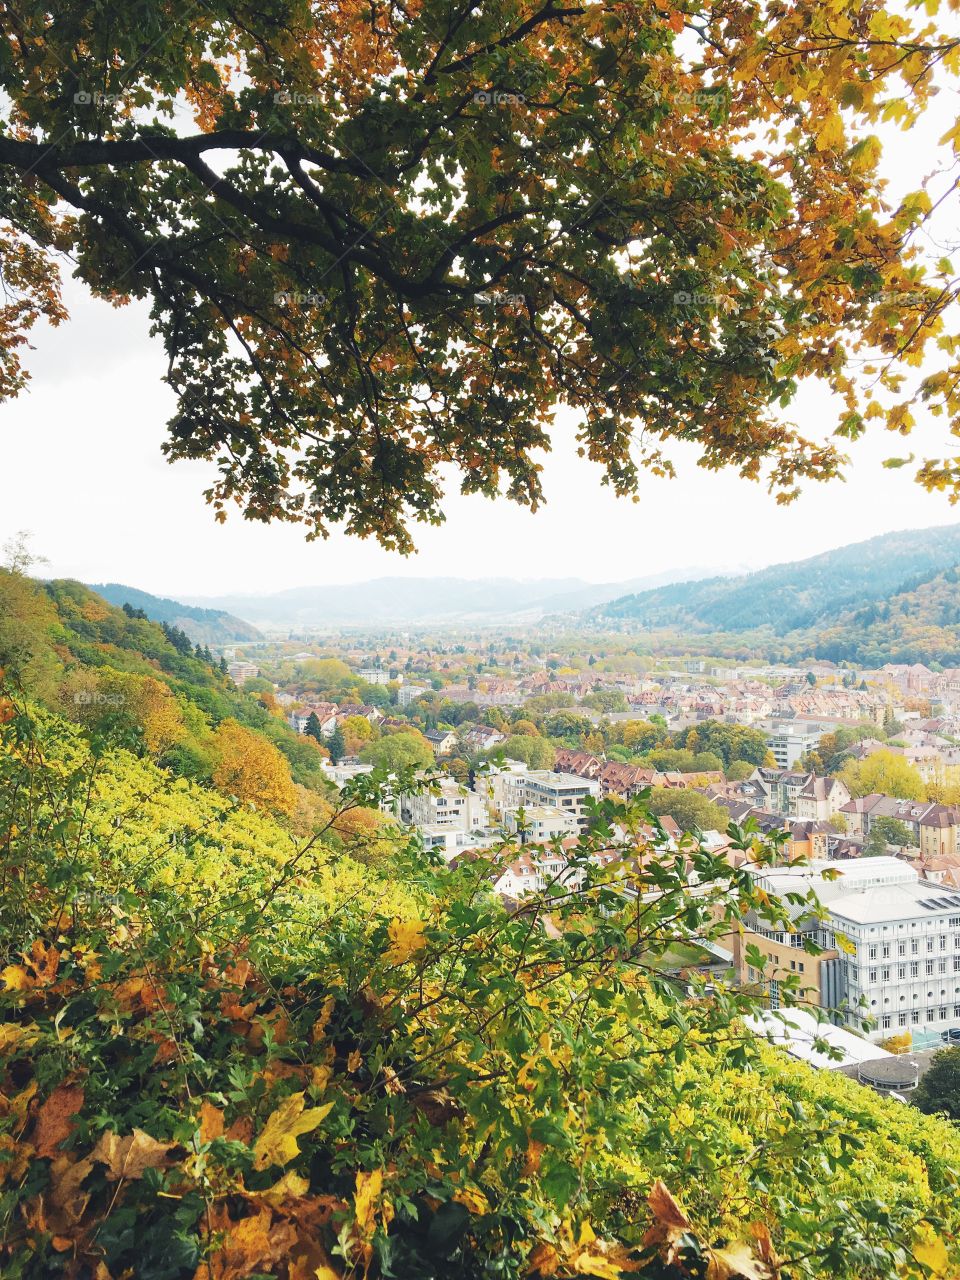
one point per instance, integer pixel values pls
(391, 241)
(227, 1053)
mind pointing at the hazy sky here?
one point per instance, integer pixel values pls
(80, 456)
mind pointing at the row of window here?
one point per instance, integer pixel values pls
(903, 971)
(914, 1017)
(884, 950)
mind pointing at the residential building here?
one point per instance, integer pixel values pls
(446, 804)
(533, 788)
(789, 740)
(240, 672)
(441, 740)
(409, 693)
(379, 675)
(540, 823)
(938, 831)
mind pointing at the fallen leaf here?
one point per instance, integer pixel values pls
(130, 1157)
(290, 1187)
(55, 1118)
(277, 1143)
(211, 1121)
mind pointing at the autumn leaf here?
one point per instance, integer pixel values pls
(290, 1186)
(407, 938)
(277, 1143)
(130, 1157)
(932, 1253)
(211, 1121)
(55, 1118)
(736, 1262)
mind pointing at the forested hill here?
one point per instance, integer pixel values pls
(205, 626)
(791, 597)
(127, 679)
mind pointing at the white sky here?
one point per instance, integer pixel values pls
(82, 469)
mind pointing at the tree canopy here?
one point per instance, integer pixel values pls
(376, 241)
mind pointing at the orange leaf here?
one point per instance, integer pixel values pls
(55, 1118)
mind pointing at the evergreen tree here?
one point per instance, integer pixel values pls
(313, 729)
(336, 745)
(223, 667)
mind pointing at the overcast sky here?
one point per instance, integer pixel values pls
(80, 454)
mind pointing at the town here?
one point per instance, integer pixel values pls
(856, 772)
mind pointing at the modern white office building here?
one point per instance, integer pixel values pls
(903, 971)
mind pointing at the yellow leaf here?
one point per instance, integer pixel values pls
(736, 1262)
(407, 939)
(277, 1143)
(366, 1195)
(473, 1200)
(933, 1254)
(16, 978)
(831, 137)
(290, 1187)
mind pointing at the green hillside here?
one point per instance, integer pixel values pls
(794, 596)
(234, 1045)
(205, 626)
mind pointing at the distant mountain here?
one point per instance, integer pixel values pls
(792, 597)
(416, 601)
(203, 626)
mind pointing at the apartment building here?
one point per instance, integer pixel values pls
(536, 788)
(446, 804)
(541, 823)
(904, 968)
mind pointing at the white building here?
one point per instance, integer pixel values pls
(905, 934)
(447, 804)
(533, 871)
(906, 967)
(378, 675)
(541, 823)
(409, 693)
(240, 672)
(789, 740)
(537, 788)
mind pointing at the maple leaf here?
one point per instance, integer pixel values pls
(277, 1143)
(55, 1118)
(130, 1157)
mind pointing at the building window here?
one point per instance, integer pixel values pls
(914, 945)
(901, 1019)
(873, 953)
(885, 1021)
(929, 967)
(901, 948)
(915, 1016)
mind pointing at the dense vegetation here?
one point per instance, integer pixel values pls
(207, 626)
(231, 1049)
